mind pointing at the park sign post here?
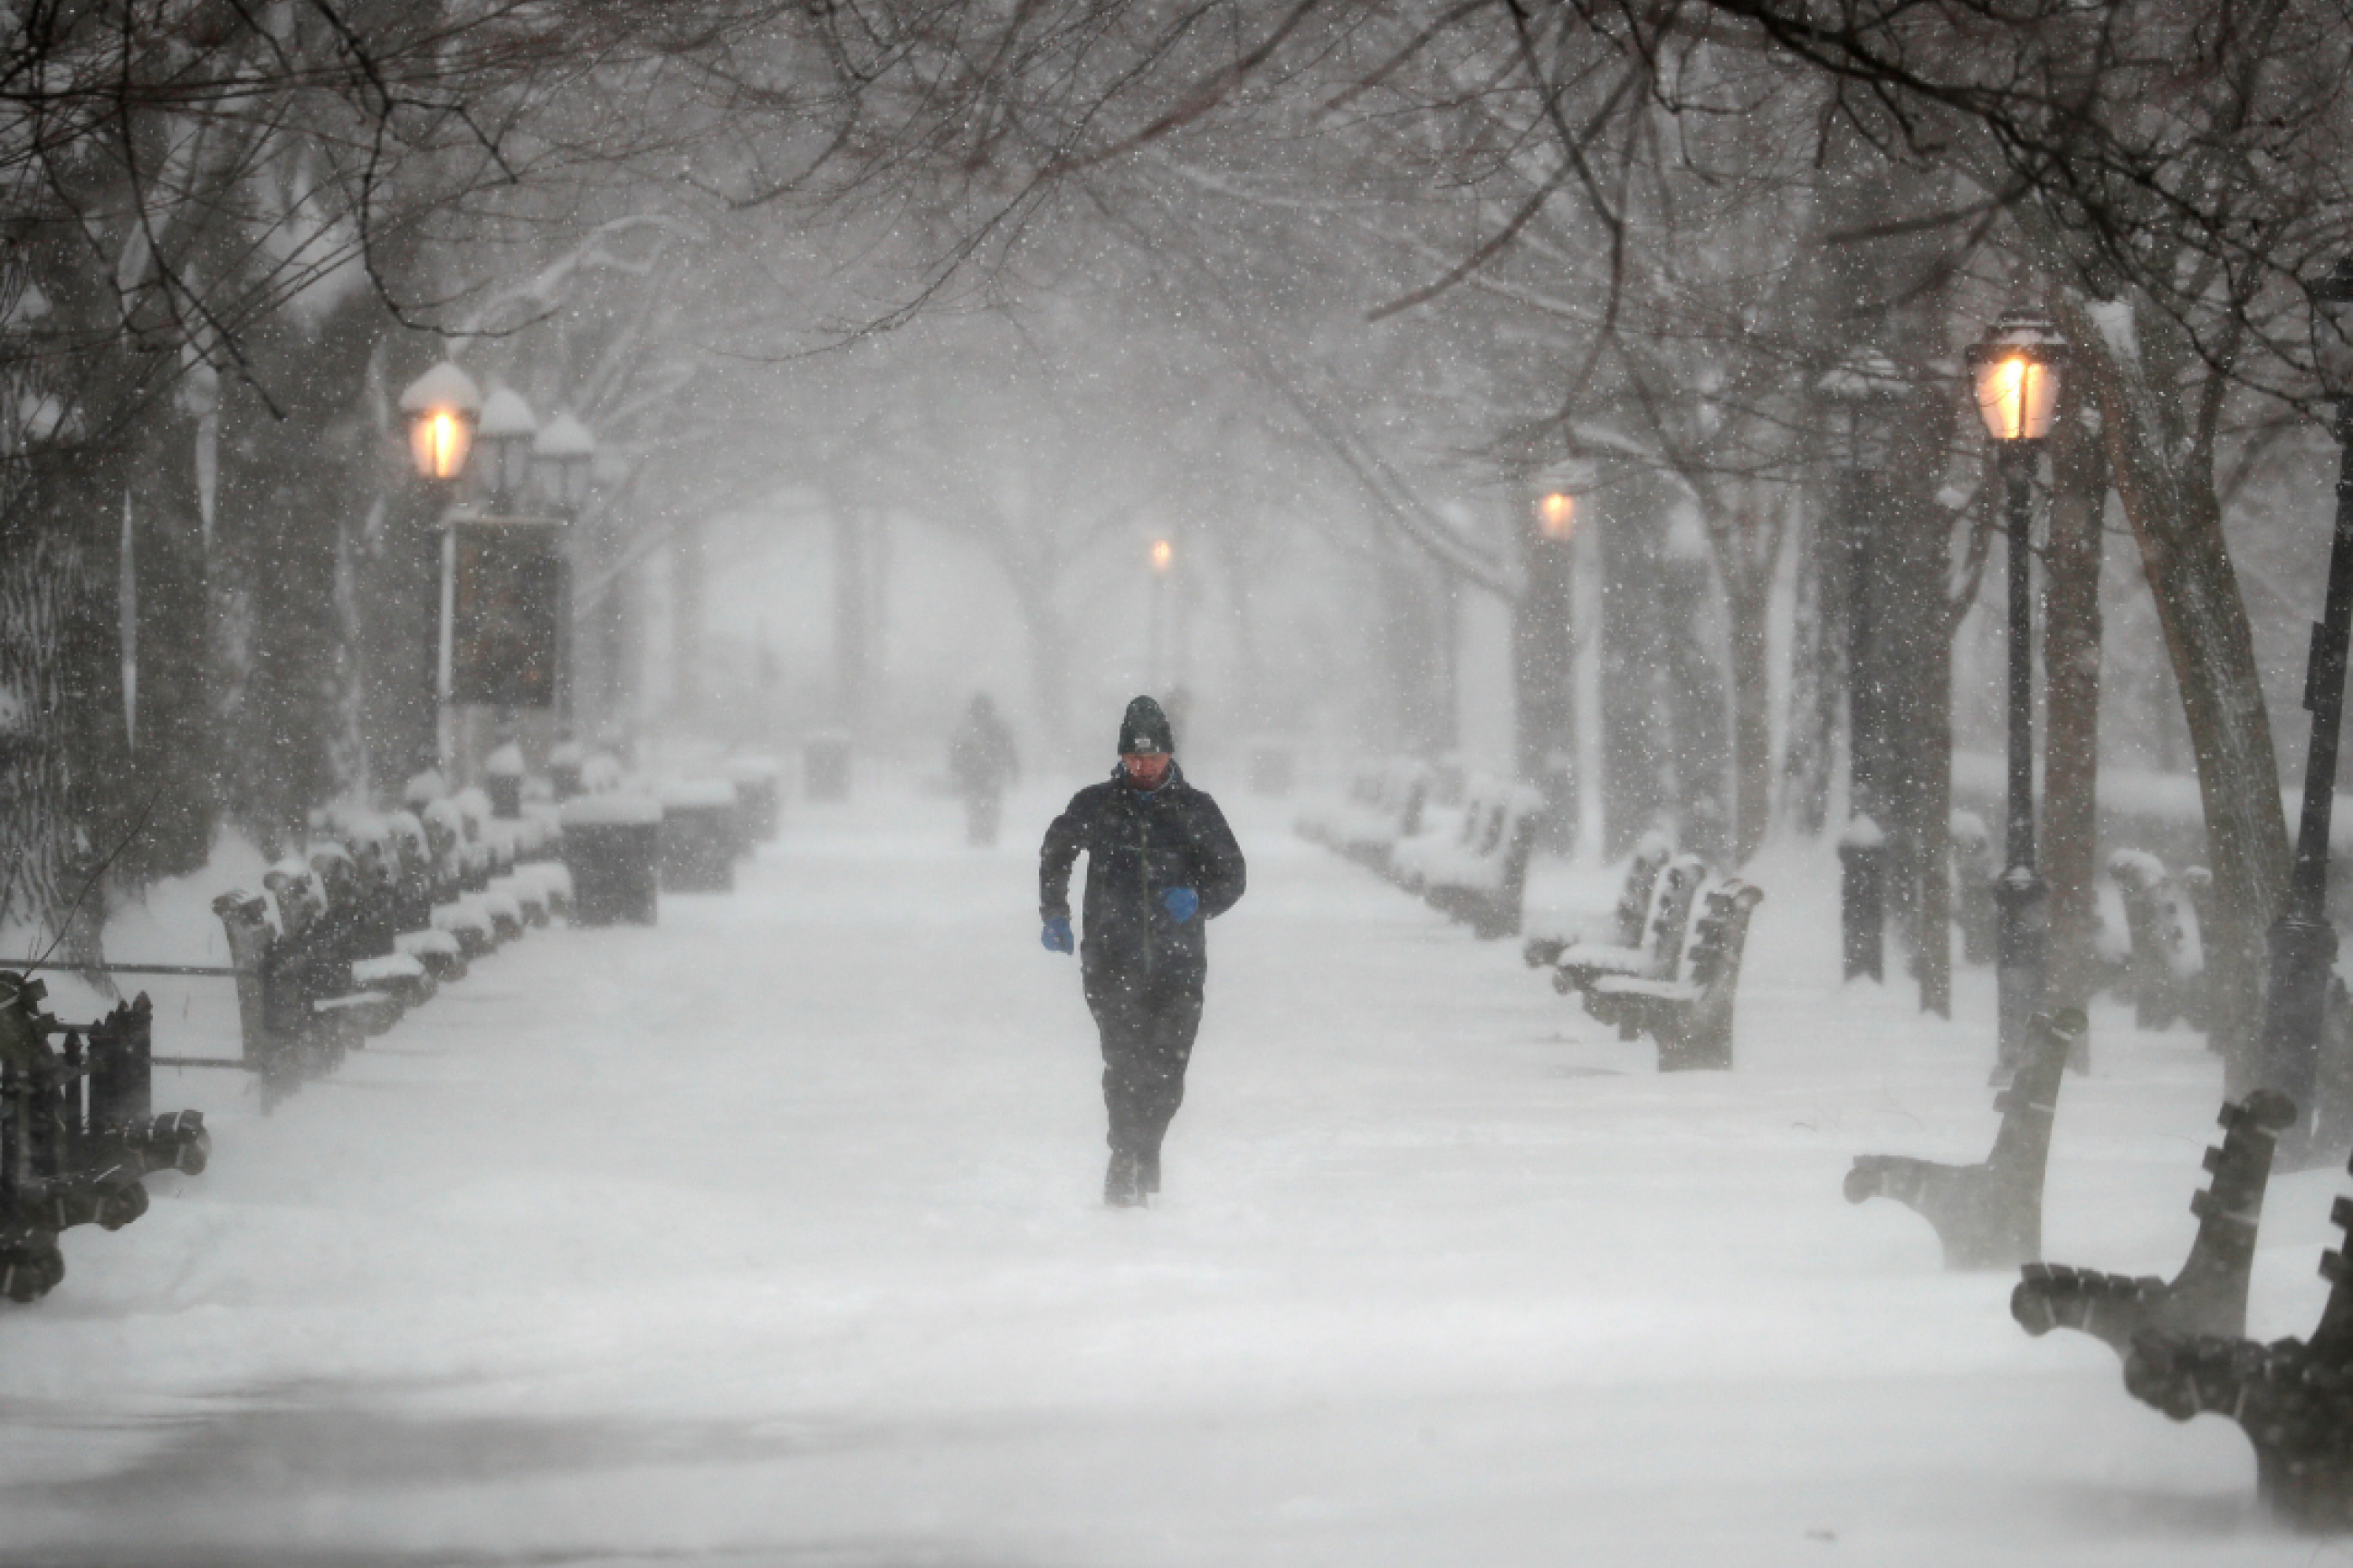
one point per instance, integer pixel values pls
(505, 604)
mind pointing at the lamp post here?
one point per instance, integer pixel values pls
(2016, 372)
(2302, 942)
(442, 406)
(502, 576)
(564, 454)
(1544, 656)
(506, 434)
(1862, 395)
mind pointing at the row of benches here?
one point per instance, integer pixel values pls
(340, 941)
(1467, 859)
(1669, 963)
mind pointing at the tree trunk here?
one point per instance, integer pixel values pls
(1749, 611)
(1816, 691)
(1544, 671)
(2070, 667)
(1050, 658)
(1912, 654)
(2166, 483)
(1698, 747)
(853, 600)
(1635, 698)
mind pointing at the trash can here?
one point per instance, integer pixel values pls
(825, 765)
(612, 847)
(701, 831)
(564, 770)
(760, 794)
(502, 781)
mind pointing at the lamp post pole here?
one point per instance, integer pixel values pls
(2019, 892)
(2302, 944)
(2016, 370)
(443, 409)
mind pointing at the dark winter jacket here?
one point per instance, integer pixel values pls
(1139, 845)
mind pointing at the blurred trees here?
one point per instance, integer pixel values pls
(1385, 265)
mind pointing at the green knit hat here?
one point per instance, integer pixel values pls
(1143, 730)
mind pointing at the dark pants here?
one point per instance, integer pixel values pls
(1148, 1037)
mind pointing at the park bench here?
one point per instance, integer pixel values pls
(1446, 833)
(1690, 1015)
(1988, 1215)
(1384, 805)
(2168, 967)
(2293, 1397)
(1483, 881)
(1652, 853)
(1665, 925)
(78, 1131)
(2210, 1295)
(1369, 836)
(1319, 822)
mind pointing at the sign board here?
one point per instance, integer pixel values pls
(506, 612)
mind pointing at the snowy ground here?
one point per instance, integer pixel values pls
(772, 1236)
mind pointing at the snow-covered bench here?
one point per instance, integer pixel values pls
(1383, 807)
(1654, 956)
(1650, 858)
(1446, 831)
(1481, 880)
(1690, 1015)
(1989, 1214)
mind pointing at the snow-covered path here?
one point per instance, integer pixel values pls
(773, 1235)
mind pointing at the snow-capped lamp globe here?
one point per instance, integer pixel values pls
(442, 407)
(507, 430)
(564, 456)
(2017, 371)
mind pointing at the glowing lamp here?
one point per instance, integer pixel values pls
(566, 455)
(442, 407)
(1556, 515)
(1163, 554)
(2016, 370)
(507, 429)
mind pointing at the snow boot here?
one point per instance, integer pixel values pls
(1122, 1183)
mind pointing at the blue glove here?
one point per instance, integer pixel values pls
(1183, 903)
(1056, 937)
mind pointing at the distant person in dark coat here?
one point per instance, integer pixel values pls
(982, 763)
(1161, 862)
